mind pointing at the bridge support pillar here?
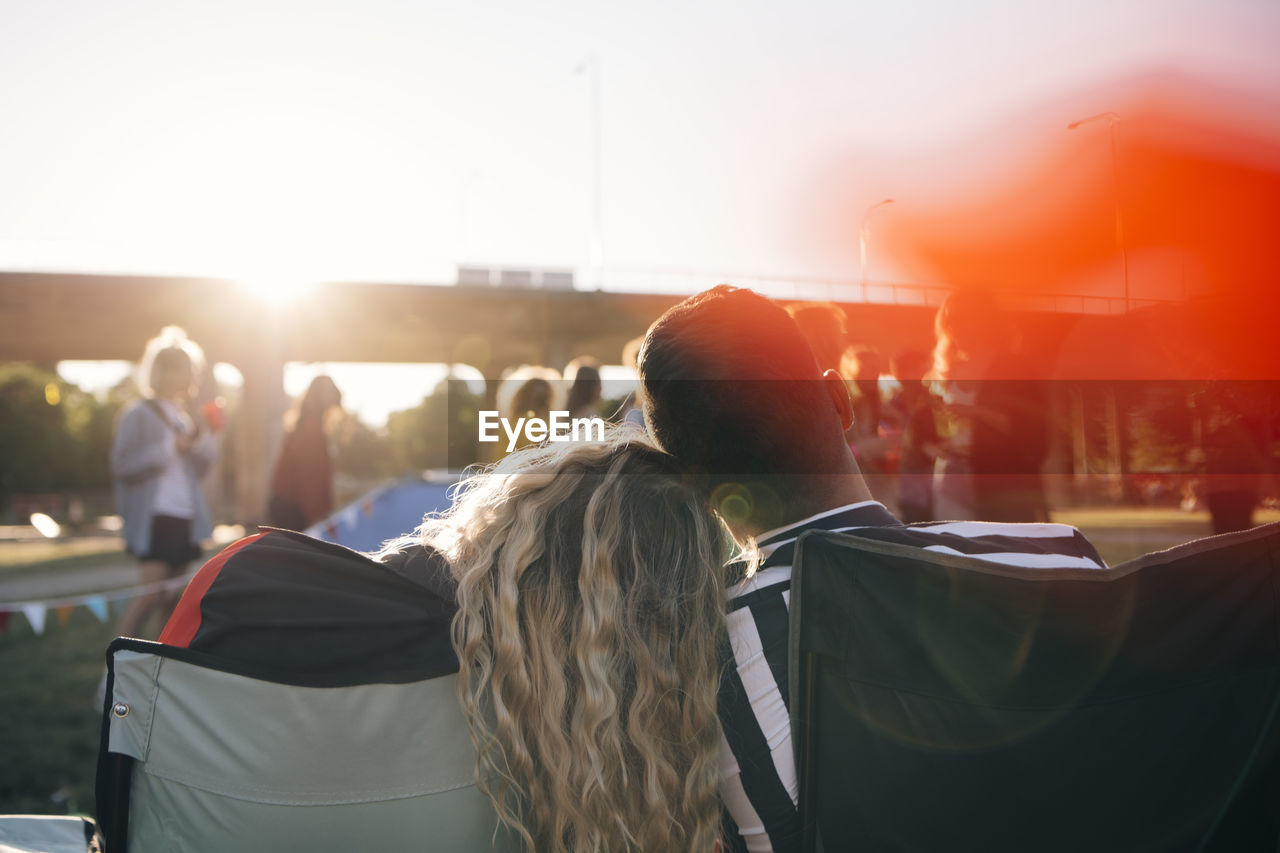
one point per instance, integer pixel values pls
(259, 426)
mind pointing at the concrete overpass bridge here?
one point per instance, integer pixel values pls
(47, 318)
(50, 317)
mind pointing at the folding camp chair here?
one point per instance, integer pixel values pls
(945, 703)
(198, 754)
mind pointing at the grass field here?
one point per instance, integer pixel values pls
(1122, 533)
(50, 743)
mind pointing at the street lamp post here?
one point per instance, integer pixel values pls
(1112, 119)
(864, 239)
(1115, 427)
(591, 67)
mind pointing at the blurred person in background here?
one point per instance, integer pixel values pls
(862, 366)
(997, 408)
(632, 409)
(159, 454)
(825, 326)
(953, 470)
(528, 391)
(913, 406)
(1234, 460)
(585, 388)
(302, 484)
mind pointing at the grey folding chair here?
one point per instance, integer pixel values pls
(201, 756)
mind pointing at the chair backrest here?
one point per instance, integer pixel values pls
(198, 757)
(940, 702)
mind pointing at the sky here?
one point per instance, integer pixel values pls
(394, 140)
(285, 142)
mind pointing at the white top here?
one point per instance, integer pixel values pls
(173, 491)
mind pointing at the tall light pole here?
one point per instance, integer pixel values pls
(864, 239)
(591, 66)
(1112, 119)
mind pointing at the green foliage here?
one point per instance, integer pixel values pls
(1160, 427)
(409, 437)
(440, 433)
(362, 452)
(55, 436)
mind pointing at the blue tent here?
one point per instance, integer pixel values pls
(387, 512)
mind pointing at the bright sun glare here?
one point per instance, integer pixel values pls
(275, 291)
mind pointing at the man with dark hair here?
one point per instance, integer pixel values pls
(754, 414)
(733, 390)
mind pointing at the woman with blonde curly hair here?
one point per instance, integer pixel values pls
(590, 606)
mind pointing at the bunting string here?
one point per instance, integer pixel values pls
(37, 611)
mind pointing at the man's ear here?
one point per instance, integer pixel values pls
(839, 393)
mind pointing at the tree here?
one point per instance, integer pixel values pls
(50, 431)
(362, 452)
(441, 432)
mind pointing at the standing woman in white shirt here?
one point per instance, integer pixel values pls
(157, 459)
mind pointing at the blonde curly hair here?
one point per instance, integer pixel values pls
(591, 606)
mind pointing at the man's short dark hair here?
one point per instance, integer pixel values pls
(732, 389)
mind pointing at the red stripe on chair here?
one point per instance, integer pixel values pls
(182, 626)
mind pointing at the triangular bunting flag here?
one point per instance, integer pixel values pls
(35, 615)
(63, 613)
(98, 607)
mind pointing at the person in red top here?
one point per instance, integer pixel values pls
(302, 485)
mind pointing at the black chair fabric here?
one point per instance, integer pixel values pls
(945, 703)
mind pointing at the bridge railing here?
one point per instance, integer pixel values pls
(817, 289)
